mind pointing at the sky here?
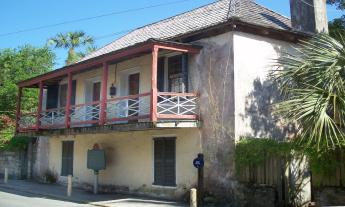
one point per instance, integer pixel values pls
(19, 15)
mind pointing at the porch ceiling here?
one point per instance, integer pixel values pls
(116, 56)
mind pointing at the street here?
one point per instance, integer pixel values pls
(13, 198)
(10, 198)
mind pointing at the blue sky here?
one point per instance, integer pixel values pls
(19, 15)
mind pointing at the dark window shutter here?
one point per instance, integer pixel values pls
(165, 161)
(176, 77)
(160, 74)
(52, 96)
(74, 89)
(67, 158)
(63, 94)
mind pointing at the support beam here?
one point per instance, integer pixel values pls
(154, 90)
(19, 100)
(39, 109)
(103, 113)
(68, 101)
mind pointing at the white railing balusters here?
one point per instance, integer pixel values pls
(177, 104)
(128, 107)
(120, 109)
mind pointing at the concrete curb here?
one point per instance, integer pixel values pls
(64, 198)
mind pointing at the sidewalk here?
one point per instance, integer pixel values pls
(80, 196)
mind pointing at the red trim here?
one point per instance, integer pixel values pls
(103, 112)
(129, 118)
(54, 109)
(19, 100)
(68, 101)
(85, 104)
(33, 128)
(51, 126)
(87, 64)
(84, 122)
(39, 109)
(154, 90)
(114, 56)
(129, 97)
(176, 94)
(179, 48)
(177, 117)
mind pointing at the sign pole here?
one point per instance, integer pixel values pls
(199, 164)
(95, 183)
(200, 192)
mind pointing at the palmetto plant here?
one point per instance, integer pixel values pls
(71, 41)
(312, 81)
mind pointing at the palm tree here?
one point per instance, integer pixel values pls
(312, 81)
(71, 41)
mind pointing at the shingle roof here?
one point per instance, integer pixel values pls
(198, 19)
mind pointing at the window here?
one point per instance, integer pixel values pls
(172, 74)
(175, 75)
(63, 93)
(67, 158)
(165, 161)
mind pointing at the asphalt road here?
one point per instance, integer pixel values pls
(13, 198)
(9, 198)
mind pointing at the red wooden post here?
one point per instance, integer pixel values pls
(19, 100)
(154, 90)
(68, 102)
(39, 109)
(103, 113)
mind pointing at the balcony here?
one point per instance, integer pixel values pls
(120, 110)
(150, 108)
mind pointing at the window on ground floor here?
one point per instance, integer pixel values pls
(67, 158)
(165, 161)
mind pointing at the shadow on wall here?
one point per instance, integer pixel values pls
(259, 112)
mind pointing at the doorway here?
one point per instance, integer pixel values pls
(92, 94)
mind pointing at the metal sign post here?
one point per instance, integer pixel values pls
(199, 164)
(95, 182)
(96, 162)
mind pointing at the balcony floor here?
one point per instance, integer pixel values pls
(124, 127)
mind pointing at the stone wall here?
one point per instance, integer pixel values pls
(15, 162)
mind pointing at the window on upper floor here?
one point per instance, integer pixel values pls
(173, 74)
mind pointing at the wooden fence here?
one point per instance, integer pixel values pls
(334, 178)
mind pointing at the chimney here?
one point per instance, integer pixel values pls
(309, 16)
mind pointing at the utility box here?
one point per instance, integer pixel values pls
(96, 159)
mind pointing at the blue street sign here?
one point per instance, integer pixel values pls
(198, 162)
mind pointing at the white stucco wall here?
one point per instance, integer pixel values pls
(253, 59)
(129, 158)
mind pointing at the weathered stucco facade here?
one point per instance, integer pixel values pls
(230, 75)
(129, 160)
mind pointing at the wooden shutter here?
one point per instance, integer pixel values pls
(52, 96)
(160, 74)
(175, 74)
(67, 158)
(165, 161)
(62, 95)
(74, 90)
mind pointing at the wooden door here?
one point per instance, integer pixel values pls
(96, 95)
(133, 89)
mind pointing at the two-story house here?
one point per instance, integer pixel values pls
(156, 97)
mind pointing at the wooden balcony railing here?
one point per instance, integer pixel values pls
(170, 106)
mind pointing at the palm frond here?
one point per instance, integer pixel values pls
(311, 78)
